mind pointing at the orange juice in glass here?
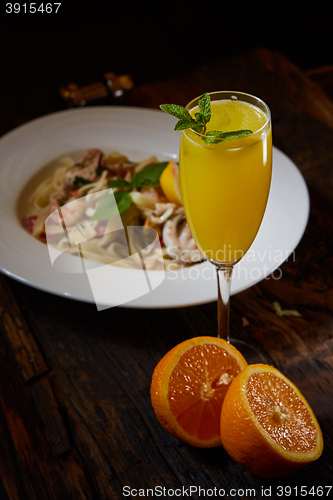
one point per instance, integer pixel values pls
(225, 184)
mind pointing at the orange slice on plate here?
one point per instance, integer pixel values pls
(267, 424)
(189, 385)
(169, 182)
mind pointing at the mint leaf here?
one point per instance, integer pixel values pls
(185, 119)
(123, 200)
(204, 107)
(106, 207)
(176, 110)
(119, 182)
(184, 123)
(215, 136)
(198, 124)
(149, 176)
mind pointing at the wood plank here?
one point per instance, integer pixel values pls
(20, 341)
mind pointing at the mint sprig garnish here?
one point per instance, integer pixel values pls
(185, 119)
(198, 124)
(215, 136)
(148, 176)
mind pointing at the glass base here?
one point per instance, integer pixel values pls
(251, 354)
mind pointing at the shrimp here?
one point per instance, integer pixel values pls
(162, 212)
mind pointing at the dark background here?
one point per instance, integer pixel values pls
(150, 40)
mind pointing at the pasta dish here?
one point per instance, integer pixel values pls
(146, 194)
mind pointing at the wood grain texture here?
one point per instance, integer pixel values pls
(75, 413)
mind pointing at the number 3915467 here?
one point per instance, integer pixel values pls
(32, 8)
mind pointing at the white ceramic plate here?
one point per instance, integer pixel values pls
(139, 133)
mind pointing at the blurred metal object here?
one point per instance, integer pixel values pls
(111, 90)
(118, 84)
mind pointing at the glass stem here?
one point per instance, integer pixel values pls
(223, 301)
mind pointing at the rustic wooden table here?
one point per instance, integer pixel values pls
(75, 413)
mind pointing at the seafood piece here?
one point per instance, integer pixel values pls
(162, 212)
(118, 165)
(179, 241)
(86, 167)
(73, 212)
(155, 194)
(60, 199)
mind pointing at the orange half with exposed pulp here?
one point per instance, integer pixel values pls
(267, 425)
(189, 385)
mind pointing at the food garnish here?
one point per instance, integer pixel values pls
(198, 124)
(148, 176)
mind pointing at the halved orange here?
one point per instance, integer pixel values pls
(267, 424)
(189, 385)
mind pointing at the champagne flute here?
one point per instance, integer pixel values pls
(225, 186)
